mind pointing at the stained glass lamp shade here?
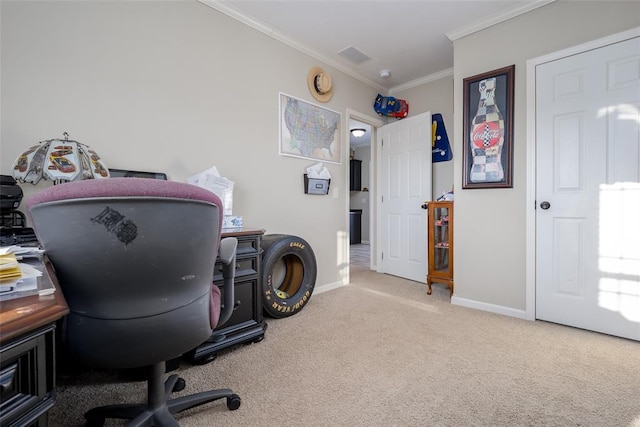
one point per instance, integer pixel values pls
(59, 160)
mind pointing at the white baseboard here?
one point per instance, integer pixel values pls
(328, 287)
(498, 309)
(464, 302)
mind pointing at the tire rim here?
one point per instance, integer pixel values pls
(287, 276)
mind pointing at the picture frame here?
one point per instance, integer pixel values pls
(487, 155)
(309, 131)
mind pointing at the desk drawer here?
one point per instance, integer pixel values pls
(27, 377)
(244, 298)
(246, 322)
(248, 245)
(245, 266)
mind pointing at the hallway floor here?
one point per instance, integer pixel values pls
(359, 256)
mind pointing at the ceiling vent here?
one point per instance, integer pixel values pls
(354, 55)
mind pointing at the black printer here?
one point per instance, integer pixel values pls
(10, 193)
(13, 223)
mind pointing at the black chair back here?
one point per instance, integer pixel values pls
(135, 260)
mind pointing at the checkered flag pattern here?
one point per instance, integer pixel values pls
(486, 137)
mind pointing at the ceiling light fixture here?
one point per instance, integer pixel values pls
(358, 132)
(385, 73)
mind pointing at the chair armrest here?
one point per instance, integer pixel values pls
(227, 254)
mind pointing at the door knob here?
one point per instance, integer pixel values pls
(545, 205)
(423, 206)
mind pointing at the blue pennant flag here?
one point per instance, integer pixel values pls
(440, 147)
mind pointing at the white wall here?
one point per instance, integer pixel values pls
(175, 87)
(179, 87)
(490, 223)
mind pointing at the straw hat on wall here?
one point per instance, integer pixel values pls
(319, 84)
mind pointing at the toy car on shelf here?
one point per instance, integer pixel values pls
(391, 107)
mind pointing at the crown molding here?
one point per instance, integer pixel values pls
(223, 7)
(422, 80)
(226, 8)
(486, 23)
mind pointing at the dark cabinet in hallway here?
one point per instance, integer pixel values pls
(355, 226)
(355, 182)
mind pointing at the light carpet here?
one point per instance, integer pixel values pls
(380, 352)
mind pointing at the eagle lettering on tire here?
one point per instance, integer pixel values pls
(288, 274)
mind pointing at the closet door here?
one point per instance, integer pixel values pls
(588, 190)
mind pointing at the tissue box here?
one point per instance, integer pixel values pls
(316, 185)
(232, 221)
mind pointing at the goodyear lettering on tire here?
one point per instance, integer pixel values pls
(288, 292)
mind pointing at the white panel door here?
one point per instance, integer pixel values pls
(588, 190)
(406, 182)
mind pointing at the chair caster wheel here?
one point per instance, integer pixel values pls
(94, 421)
(208, 359)
(179, 385)
(233, 402)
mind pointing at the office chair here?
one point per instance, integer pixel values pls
(135, 260)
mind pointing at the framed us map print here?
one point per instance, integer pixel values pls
(309, 131)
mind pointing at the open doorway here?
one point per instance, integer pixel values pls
(364, 148)
(360, 202)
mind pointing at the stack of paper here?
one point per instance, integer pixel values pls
(9, 267)
(16, 278)
(22, 251)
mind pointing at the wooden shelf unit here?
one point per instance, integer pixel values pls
(440, 244)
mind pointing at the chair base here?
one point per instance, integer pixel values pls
(159, 409)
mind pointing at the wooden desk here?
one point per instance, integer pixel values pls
(27, 354)
(246, 324)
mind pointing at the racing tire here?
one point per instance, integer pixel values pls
(289, 272)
